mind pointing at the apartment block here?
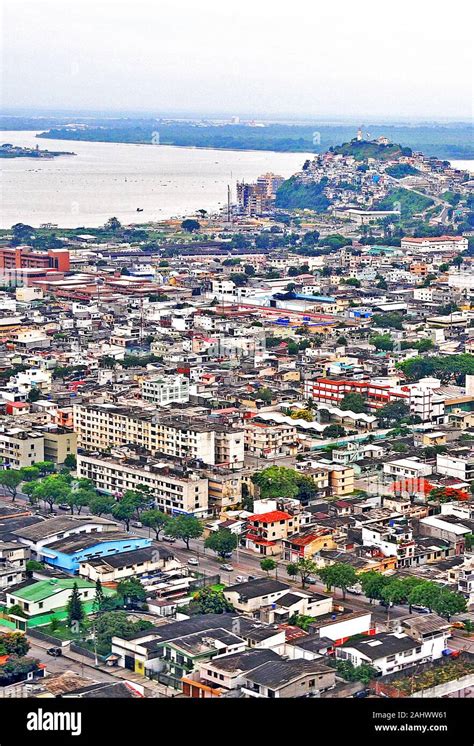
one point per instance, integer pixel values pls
(164, 390)
(20, 447)
(174, 491)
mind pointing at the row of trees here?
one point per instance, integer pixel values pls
(388, 590)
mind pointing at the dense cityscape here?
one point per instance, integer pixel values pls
(237, 448)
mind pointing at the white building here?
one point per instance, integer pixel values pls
(388, 652)
(163, 390)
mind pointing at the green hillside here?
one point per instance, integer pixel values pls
(295, 194)
(408, 202)
(363, 149)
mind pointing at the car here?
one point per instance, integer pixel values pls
(252, 577)
(137, 524)
(458, 625)
(63, 506)
(311, 579)
(355, 590)
(362, 693)
(168, 538)
(193, 561)
(420, 609)
(55, 652)
(227, 568)
(227, 555)
(240, 579)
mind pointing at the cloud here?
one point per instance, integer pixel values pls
(261, 58)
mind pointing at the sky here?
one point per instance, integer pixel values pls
(257, 58)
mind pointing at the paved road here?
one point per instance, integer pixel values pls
(61, 664)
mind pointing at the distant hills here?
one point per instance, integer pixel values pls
(448, 141)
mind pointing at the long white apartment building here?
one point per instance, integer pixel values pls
(103, 426)
(174, 491)
(162, 390)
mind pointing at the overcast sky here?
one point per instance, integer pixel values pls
(305, 58)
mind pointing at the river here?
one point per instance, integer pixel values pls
(114, 179)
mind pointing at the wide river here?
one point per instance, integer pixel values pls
(113, 179)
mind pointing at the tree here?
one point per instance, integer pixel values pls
(16, 610)
(339, 575)
(10, 480)
(74, 608)
(393, 412)
(116, 624)
(302, 414)
(185, 527)
(342, 341)
(79, 499)
(70, 462)
(156, 520)
(276, 481)
(29, 473)
(99, 596)
(53, 489)
(131, 590)
(373, 583)
(14, 643)
(45, 467)
(113, 224)
(221, 542)
(394, 592)
(124, 511)
(208, 601)
(268, 564)
(189, 225)
(303, 567)
(101, 504)
(333, 431)
(33, 566)
(448, 603)
(354, 402)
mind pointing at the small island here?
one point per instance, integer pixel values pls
(15, 151)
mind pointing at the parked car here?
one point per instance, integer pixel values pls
(311, 579)
(362, 693)
(227, 555)
(55, 652)
(171, 539)
(240, 579)
(252, 577)
(137, 524)
(193, 561)
(227, 568)
(355, 590)
(420, 609)
(63, 506)
(458, 625)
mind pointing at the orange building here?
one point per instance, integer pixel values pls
(23, 258)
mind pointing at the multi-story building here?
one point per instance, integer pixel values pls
(388, 652)
(21, 257)
(435, 243)
(459, 463)
(103, 426)
(20, 447)
(174, 490)
(164, 390)
(333, 391)
(393, 540)
(268, 441)
(266, 531)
